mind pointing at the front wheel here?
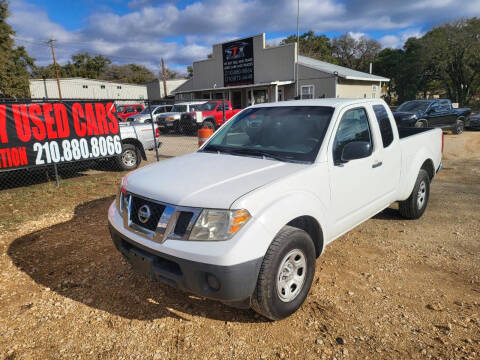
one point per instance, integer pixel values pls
(286, 274)
(415, 205)
(129, 159)
(459, 127)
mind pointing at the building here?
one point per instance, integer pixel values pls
(156, 91)
(245, 71)
(80, 88)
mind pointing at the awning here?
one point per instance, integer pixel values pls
(238, 86)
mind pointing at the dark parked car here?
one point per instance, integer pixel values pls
(432, 113)
(475, 121)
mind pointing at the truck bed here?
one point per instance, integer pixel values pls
(404, 132)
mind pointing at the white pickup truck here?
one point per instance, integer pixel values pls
(243, 219)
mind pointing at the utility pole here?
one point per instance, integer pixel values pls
(56, 68)
(164, 76)
(298, 45)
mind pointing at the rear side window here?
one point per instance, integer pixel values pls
(384, 124)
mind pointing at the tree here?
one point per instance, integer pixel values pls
(453, 53)
(170, 74)
(355, 53)
(189, 72)
(311, 45)
(130, 73)
(14, 61)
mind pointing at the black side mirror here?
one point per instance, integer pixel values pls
(356, 150)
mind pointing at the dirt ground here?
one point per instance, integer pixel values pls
(390, 289)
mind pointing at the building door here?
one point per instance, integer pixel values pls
(237, 99)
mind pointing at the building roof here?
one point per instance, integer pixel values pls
(341, 71)
(78, 79)
(332, 102)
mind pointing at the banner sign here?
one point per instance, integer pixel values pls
(52, 133)
(238, 62)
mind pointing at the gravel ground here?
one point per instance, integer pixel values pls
(389, 289)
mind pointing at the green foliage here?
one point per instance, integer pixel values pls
(314, 46)
(14, 61)
(130, 73)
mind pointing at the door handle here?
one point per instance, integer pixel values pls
(377, 164)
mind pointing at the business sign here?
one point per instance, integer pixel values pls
(238, 62)
(52, 133)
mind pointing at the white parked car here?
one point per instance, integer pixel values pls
(171, 120)
(243, 219)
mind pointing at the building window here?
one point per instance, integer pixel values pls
(307, 92)
(102, 86)
(119, 87)
(85, 86)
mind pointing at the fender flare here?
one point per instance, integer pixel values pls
(421, 160)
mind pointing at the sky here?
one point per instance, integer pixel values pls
(183, 31)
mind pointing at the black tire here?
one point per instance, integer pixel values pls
(177, 128)
(129, 159)
(266, 298)
(164, 130)
(411, 208)
(459, 127)
(209, 124)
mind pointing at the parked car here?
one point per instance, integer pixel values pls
(209, 115)
(432, 113)
(243, 219)
(136, 139)
(144, 116)
(171, 120)
(125, 111)
(474, 122)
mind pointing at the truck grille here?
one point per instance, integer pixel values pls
(159, 221)
(156, 211)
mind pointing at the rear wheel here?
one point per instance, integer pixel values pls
(177, 127)
(286, 274)
(129, 159)
(459, 127)
(415, 205)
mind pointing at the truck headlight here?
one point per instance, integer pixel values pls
(121, 199)
(171, 118)
(218, 225)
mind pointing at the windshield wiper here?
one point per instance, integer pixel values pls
(262, 153)
(216, 149)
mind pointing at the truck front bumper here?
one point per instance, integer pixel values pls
(234, 283)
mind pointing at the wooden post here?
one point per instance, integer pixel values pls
(164, 76)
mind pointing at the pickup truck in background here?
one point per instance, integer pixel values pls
(171, 120)
(136, 140)
(243, 219)
(209, 115)
(144, 116)
(436, 113)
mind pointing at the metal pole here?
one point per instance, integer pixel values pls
(153, 131)
(59, 96)
(298, 45)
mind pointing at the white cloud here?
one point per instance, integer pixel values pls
(397, 41)
(156, 29)
(357, 35)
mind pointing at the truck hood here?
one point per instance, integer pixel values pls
(140, 117)
(206, 180)
(404, 115)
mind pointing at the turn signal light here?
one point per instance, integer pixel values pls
(240, 217)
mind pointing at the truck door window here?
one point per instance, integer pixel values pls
(384, 124)
(226, 106)
(353, 127)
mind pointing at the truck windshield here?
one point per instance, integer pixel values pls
(414, 106)
(285, 133)
(179, 108)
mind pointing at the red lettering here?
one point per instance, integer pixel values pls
(101, 118)
(49, 121)
(38, 130)
(23, 156)
(91, 121)
(15, 157)
(62, 120)
(113, 123)
(3, 124)
(22, 123)
(80, 127)
(3, 153)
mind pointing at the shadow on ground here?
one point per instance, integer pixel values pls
(78, 260)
